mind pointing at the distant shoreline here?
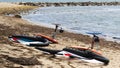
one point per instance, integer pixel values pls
(10, 8)
(57, 4)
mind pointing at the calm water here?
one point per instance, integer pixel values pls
(56, 0)
(80, 19)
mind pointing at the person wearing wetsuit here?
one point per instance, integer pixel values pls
(95, 41)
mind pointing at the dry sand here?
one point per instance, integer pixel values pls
(11, 25)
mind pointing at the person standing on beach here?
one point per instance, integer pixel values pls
(95, 42)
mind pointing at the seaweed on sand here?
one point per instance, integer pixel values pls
(24, 60)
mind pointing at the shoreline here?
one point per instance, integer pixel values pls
(77, 35)
(11, 25)
(105, 38)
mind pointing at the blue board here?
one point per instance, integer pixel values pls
(94, 33)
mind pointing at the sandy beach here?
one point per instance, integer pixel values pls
(8, 8)
(10, 51)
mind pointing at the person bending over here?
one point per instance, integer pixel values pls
(95, 42)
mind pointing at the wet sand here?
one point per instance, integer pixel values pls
(11, 25)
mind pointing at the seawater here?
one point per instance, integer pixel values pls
(58, 0)
(80, 19)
